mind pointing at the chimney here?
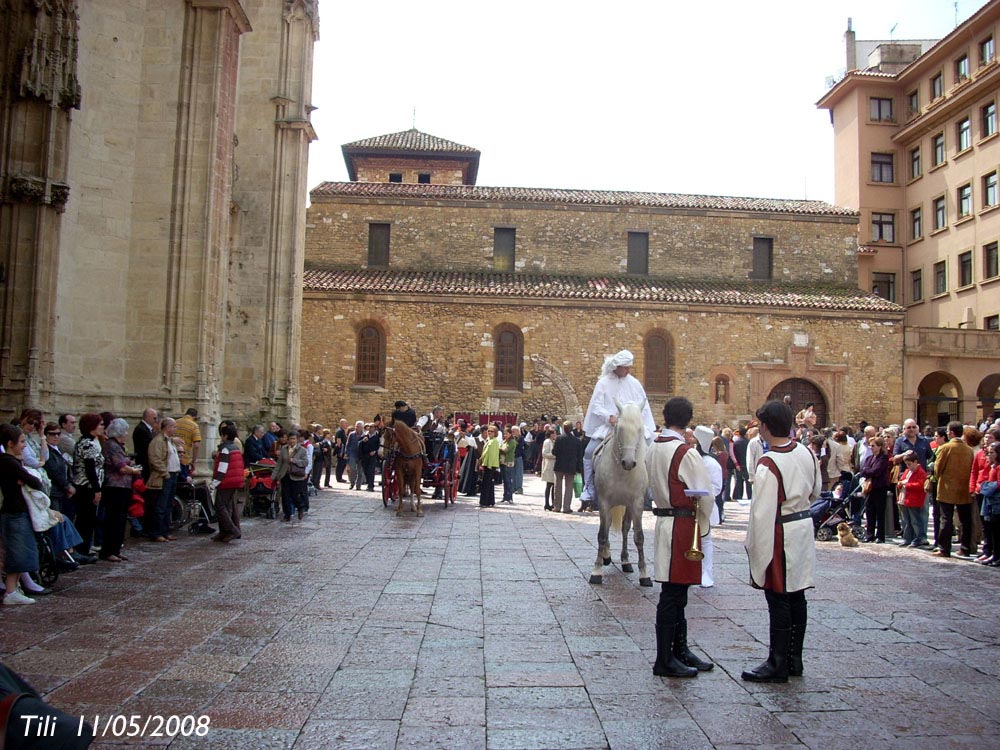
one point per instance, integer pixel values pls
(851, 48)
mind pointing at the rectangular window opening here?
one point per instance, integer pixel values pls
(424, 178)
(504, 240)
(883, 227)
(965, 269)
(940, 277)
(638, 253)
(884, 285)
(763, 258)
(378, 245)
(916, 285)
(991, 261)
(882, 170)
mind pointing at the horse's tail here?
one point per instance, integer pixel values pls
(617, 516)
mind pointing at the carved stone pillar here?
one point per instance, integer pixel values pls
(38, 91)
(199, 240)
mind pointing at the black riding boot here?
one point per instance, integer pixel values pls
(683, 653)
(667, 664)
(797, 637)
(775, 669)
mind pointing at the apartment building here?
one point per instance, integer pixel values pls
(917, 151)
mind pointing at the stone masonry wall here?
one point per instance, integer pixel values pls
(442, 352)
(377, 169)
(584, 240)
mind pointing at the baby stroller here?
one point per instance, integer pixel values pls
(262, 490)
(844, 505)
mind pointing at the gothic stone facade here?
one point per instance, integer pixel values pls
(153, 204)
(436, 306)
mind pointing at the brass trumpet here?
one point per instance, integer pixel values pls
(694, 553)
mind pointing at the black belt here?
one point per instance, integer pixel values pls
(794, 517)
(677, 512)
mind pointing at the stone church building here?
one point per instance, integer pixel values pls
(152, 204)
(421, 284)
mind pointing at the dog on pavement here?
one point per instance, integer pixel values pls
(847, 539)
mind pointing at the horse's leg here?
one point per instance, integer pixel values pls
(597, 574)
(626, 522)
(400, 486)
(638, 538)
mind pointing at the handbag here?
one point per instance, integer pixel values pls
(866, 486)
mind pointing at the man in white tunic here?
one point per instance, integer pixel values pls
(675, 470)
(779, 540)
(616, 383)
(703, 435)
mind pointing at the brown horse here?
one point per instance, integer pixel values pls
(408, 446)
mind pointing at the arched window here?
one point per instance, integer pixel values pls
(370, 365)
(508, 358)
(658, 355)
(722, 389)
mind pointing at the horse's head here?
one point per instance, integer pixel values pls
(630, 437)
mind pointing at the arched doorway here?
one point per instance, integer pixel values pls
(938, 399)
(989, 396)
(802, 392)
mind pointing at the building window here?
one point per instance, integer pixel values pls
(916, 285)
(991, 268)
(424, 178)
(940, 277)
(964, 201)
(880, 110)
(992, 323)
(395, 177)
(722, 390)
(913, 102)
(883, 228)
(940, 220)
(508, 357)
(503, 249)
(370, 364)
(658, 350)
(763, 258)
(937, 147)
(990, 189)
(937, 87)
(638, 253)
(884, 285)
(916, 224)
(964, 133)
(915, 169)
(965, 269)
(962, 68)
(989, 120)
(986, 51)
(378, 245)
(882, 168)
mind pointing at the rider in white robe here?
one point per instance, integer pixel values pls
(615, 383)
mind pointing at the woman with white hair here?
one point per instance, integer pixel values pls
(116, 494)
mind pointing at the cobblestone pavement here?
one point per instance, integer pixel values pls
(478, 629)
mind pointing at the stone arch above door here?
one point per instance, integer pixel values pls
(800, 363)
(571, 404)
(803, 391)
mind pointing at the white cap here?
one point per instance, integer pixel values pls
(704, 436)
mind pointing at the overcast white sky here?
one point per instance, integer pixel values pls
(712, 97)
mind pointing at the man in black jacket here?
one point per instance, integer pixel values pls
(569, 462)
(142, 436)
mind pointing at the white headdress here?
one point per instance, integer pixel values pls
(624, 358)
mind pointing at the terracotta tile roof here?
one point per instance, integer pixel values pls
(617, 288)
(573, 197)
(408, 140)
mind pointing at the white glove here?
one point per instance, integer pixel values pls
(213, 485)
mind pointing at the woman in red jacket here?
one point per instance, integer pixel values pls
(227, 481)
(911, 498)
(980, 473)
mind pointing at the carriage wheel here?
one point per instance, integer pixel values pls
(388, 483)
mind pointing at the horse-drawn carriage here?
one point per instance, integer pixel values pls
(405, 470)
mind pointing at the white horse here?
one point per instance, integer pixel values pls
(620, 479)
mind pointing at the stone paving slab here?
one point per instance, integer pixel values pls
(478, 629)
